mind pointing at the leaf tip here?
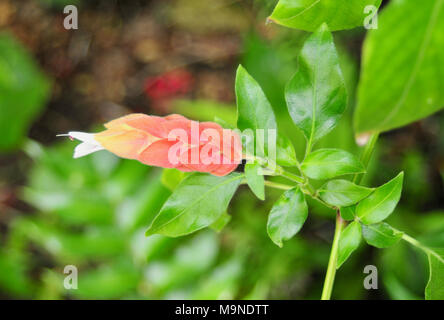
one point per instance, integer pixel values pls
(149, 232)
(323, 27)
(269, 20)
(240, 69)
(279, 243)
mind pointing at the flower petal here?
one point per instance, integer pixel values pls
(156, 154)
(124, 143)
(139, 121)
(85, 149)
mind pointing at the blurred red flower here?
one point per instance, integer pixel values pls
(167, 85)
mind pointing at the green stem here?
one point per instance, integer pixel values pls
(292, 177)
(332, 262)
(308, 148)
(276, 185)
(419, 245)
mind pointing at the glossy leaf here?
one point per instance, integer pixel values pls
(316, 95)
(308, 15)
(253, 109)
(221, 222)
(254, 112)
(348, 213)
(348, 242)
(397, 86)
(285, 153)
(287, 216)
(343, 193)
(255, 179)
(435, 285)
(330, 163)
(196, 203)
(380, 235)
(23, 92)
(381, 203)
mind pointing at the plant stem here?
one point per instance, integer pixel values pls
(366, 156)
(292, 177)
(419, 245)
(276, 185)
(332, 262)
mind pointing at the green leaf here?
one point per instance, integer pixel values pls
(308, 15)
(435, 285)
(285, 153)
(316, 95)
(287, 216)
(343, 193)
(380, 235)
(254, 112)
(197, 202)
(253, 109)
(172, 177)
(348, 213)
(255, 179)
(398, 87)
(348, 242)
(220, 223)
(381, 203)
(23, 92)
(330, 163)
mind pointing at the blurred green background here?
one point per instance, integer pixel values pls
(160, 57)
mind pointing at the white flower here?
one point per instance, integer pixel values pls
(89, 144)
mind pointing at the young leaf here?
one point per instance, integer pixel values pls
(198, 201)
(398, 87)
(285, 153)
(316, 95)
(348, 213)
(254, 112)
(253, 109)
(343, 193)
(221, 222)
(380, 235)
(381, 203)
(330, 163)
(348, 242)
(287, 216)
(255, 180)
(309, 15)
(435, 285)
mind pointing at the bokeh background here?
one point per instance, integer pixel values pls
(161, 57)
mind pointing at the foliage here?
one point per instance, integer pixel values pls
(316, 99)
(407, 89)
(24, 90)
(94, 212)
(309, 15)
(102, 233)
